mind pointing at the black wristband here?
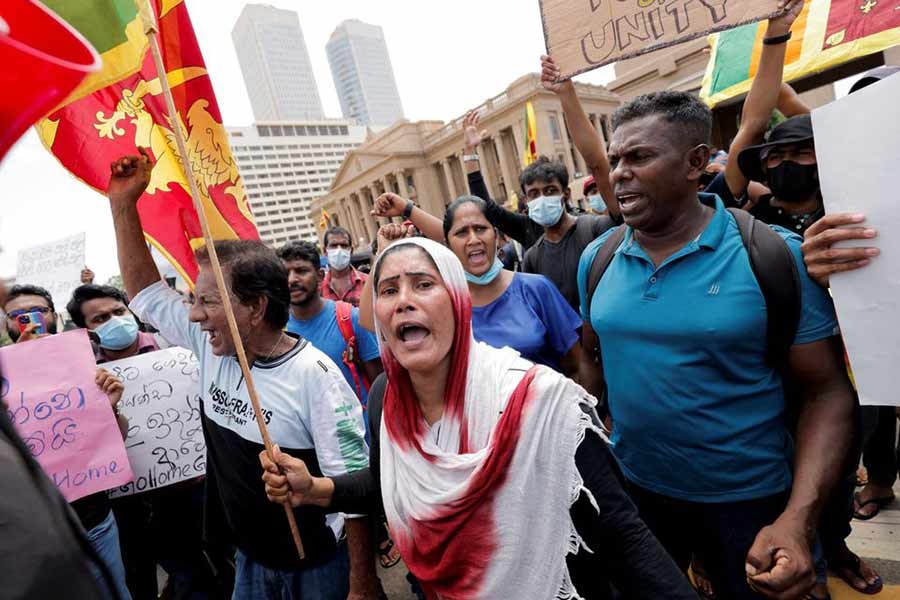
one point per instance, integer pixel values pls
(407, 212)
(778, 39)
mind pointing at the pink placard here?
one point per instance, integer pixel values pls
(66, 421)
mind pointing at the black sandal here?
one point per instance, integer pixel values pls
(878, 502)
(851, 562)
(384, 554)
(700, 572)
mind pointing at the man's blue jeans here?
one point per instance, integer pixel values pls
(104, 540)
(330, 581)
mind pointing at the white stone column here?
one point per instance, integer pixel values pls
(462, 171)
(567, 145)
(488, 172)
(448, 174)
(508, 167)
(518, 134)
(365, 207)
(401, 183)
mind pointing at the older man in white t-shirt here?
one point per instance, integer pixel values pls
(308, 407)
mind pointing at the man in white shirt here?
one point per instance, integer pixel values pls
(307, 406)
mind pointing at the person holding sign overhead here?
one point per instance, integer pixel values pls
(306, 403)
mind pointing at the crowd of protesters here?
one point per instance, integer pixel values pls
(646, 399)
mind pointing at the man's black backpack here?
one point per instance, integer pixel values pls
(772, 264)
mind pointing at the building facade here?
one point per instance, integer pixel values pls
(285, 166)
(275, 65)
(683, 66)
(423, 160)
(362, 73)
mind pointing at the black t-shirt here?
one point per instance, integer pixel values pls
(558, 261)
(774, 215)
(91, 510)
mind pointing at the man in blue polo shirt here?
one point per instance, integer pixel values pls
(316, 319)
(699, 415)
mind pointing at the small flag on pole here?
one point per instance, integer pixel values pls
(325, 220)
(530, 153)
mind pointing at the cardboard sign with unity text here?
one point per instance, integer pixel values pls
(585, 34)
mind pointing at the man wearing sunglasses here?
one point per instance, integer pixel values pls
(30, 314)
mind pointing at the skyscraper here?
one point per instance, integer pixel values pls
(275, 64)
(362, 73)
(285, 166)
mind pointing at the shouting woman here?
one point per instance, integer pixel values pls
(493, 471)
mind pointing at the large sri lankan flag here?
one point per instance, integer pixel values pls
(826, 34)
(116, 31)
(91, 132)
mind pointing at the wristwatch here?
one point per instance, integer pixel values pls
(470, 158)
(407, 212)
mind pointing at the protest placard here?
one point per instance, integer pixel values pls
(852, 135)
(65, 420)
(55, 267)
(162, 402)
(582, 35)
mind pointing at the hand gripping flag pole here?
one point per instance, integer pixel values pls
(151, 30)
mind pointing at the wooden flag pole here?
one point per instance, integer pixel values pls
(151, 30)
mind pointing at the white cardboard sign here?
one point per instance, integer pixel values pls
(55, 266)
(162, 402)
(857, 147)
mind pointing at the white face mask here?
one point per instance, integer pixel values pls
(546, 210)
(338, 258)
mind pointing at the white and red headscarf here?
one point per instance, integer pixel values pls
(478, 503)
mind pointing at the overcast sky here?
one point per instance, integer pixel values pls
(447, 58)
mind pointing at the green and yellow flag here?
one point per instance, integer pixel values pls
(115, 29)
(826, 34)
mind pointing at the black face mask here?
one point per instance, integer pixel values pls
(793, 182)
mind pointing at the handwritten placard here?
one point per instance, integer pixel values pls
(585, 34)
(65, 419)
(162, 402)
(55, 266)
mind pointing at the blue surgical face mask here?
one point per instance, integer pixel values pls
(545, 210)
(488, 276)
(118, 333)
(596, 203)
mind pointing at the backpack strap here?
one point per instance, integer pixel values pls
(776, 273)
(538, 255)
(350, 356)
(601, 261)
(584, 230)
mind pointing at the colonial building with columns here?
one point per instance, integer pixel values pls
(423, 160)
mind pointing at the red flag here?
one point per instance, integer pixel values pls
(87, 135)
(44, 59)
